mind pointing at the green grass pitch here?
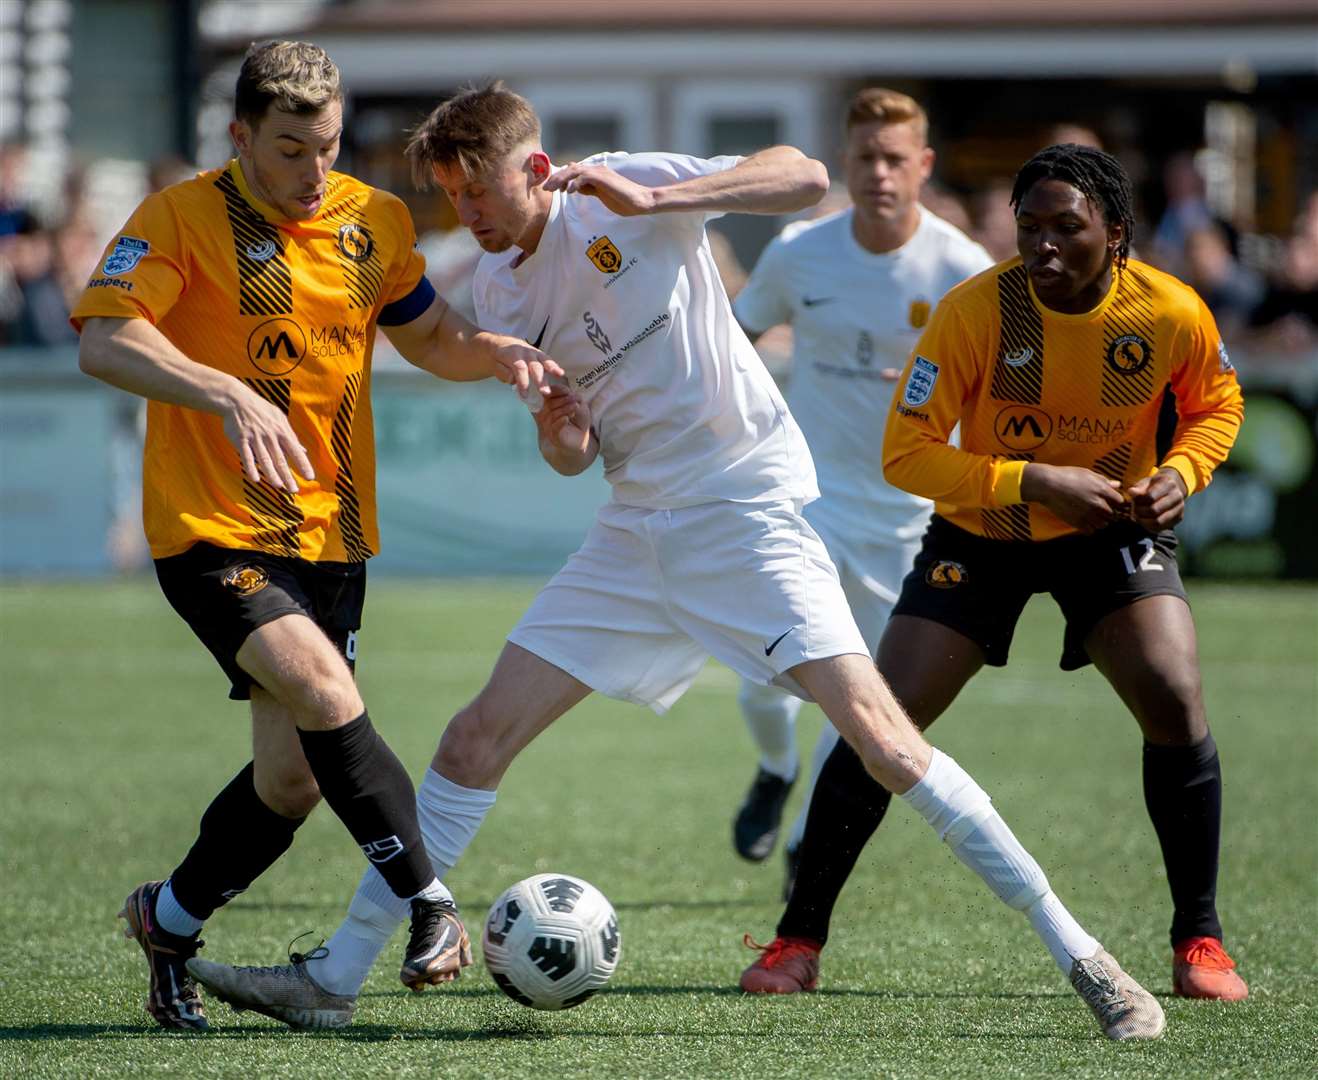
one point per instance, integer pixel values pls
(117, 733)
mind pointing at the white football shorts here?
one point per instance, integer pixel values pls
(871, 568)
(637, 610)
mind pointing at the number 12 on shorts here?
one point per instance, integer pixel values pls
(1145, 560)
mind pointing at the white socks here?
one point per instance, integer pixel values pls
(449, 816)
(172, 916)
(771, 719)
(961, 812)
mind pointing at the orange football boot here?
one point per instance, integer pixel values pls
(785, 966)
(1201, 968)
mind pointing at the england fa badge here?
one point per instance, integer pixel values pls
(127, 253)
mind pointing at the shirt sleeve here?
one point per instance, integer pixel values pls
(763, 301)
(407, 292)
(143, 270)
(937, 382)
(659, 170)
(1209, 404)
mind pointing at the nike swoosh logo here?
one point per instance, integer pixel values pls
(768, 649)
(815, 301)
(540, 336)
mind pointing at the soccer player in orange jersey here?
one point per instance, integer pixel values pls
(243, 304)
(1054, 364)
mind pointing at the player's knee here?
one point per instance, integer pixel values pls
(319, 693)
(290, 792)
(467, 754)
(1171, 708)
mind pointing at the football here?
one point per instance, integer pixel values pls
(551, 941)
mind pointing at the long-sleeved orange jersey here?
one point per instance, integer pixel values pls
(1030, 384)
(288, 307)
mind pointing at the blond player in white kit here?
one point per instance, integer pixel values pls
(857, 288)
(702, 548)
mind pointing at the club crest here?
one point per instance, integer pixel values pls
(1018, 357)
(355, 242)
(1129, 354)
(918, 315)
(606, 257)
(246, 580)
(946, 574)
(127, 253)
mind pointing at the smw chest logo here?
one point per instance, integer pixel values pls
(277, 346)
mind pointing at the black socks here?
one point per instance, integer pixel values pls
(240, 838)
(846, 808)
(367, 787)
(1183, 793)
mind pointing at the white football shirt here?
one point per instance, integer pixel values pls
(854, 313)
(634, 310)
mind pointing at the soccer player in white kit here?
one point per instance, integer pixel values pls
(702, 548)
(857, 287)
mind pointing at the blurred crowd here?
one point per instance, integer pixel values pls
(1262, 290)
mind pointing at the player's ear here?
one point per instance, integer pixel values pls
(240, 131)
(537, 165)
(927, 162)
(1114, 236)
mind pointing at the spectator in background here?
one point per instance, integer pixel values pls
(994, 223)
(1187, 211)
(1231, 291)
(1287, 317)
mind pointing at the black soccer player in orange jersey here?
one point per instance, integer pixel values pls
(243, 304)
(1054, 364)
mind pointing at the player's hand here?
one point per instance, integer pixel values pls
(1158, 501)
(890, 374)
(265, 442)
(1080, 497)
(564, 421)
(624, 197)
(524, 367)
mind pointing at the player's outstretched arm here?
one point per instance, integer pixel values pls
(133, 355)
(779, 180)
(567, 442)
(442, 342)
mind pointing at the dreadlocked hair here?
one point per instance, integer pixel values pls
(1099, 177)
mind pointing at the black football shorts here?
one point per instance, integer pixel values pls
(979, 587)
(224, 594)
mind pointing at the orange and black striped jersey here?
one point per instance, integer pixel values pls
(1027, 383)
(288, 307)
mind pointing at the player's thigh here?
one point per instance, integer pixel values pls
(1148, 652)
(604, 618)
(524, 695)
(926, 665)
(225, 594)
(1095, 575)
(297, 664)
(282, 777)
(753, 585)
